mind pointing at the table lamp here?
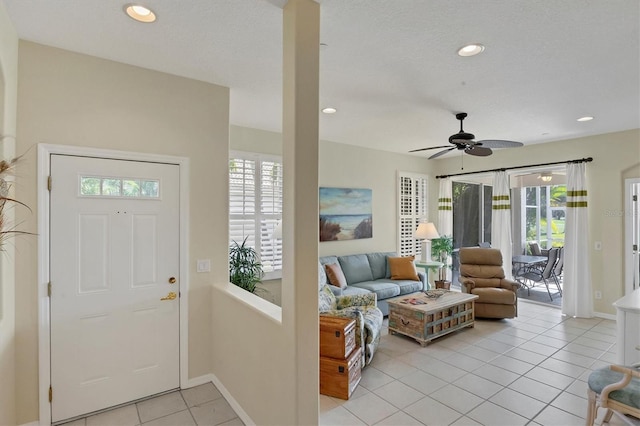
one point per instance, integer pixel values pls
(426, 232)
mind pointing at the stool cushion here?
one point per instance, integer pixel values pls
(629, 395)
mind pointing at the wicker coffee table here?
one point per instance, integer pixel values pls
(425, 316)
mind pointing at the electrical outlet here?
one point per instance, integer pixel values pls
(598, 245)
(598, 295)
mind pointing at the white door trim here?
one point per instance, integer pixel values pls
(43, 172)
(628, 237)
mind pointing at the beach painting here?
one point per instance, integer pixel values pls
(345, 214)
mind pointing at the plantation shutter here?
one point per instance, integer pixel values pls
(412, 209)
(255, 205)
(242, 200)
(270, 212)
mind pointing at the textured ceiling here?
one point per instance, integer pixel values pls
(390, 67)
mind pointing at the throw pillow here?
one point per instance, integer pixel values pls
(403, 268)
(335, 275)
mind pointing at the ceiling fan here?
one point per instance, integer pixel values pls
(466, 141)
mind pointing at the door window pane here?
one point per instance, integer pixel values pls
(94, 186)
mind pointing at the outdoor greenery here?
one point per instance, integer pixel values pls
(245, 269)
(441, 250)
(551, 202)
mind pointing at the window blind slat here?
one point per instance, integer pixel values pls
(255, 205)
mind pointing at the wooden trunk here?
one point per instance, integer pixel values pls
(428, 319)
(337, 336)
(339, 377)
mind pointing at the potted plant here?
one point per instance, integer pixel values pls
(441, 250)
(245, 269)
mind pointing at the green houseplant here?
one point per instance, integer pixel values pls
(245, 269)
(441, 250)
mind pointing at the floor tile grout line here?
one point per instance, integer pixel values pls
(188, 408)
(557, 326)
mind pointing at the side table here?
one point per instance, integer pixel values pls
(426, 266)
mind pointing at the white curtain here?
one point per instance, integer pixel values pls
(576, 292)
(445, 214)
(501, 220)
(445, 208)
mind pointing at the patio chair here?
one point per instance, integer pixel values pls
(535, 249)
(544, 274)
(557, 270)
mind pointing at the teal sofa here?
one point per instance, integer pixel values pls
(370, 273)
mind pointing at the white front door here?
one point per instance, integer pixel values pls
(114, 258)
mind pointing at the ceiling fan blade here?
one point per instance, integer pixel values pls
(433, 147)
(478, 151)
(497, 143)
(443, 152)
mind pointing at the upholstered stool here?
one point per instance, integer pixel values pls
(616, 388)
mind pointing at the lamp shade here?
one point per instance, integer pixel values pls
(426, 231)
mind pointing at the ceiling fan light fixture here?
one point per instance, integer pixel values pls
(140, 13)
(585, 118)
(470, 50)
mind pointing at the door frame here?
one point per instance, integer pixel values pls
(44, 325)
(628, 239)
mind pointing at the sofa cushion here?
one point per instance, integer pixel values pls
(497, 296)
(322, 276)
(326, 299)
(408, 286)
(382, 289)
(328, 259)
(378, 263)
(403, 268)
(335, 275)
(353, 291)
(356, 268)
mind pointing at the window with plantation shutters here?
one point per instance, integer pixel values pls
(412, 209)
(255, 206)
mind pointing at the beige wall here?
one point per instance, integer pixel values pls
(616, 156)
(8, 96)
(72, 99)
(346, 166)
(350, 166)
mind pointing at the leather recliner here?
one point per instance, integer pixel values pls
(481, 274)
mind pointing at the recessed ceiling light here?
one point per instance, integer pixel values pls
(471, 49)
(140, 13)
(329, 110)
(585, 118)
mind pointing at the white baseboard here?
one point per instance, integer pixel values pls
(605, 316)
(197, 381)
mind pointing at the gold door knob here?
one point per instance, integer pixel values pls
(170, 296)
(172, 280)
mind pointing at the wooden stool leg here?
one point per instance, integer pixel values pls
(607, 416)
(592, 408)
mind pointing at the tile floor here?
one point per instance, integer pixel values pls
(531, 370)
(201, 405)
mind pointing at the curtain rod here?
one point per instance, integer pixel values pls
(502, 169)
